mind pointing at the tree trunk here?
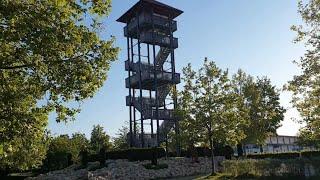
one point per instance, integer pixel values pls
(261, 149)
(239, 150)
(213, 168)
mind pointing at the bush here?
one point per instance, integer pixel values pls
(135, 154)
(56, 161)
(270, 167)
(93, 157)
(84, 158)
(145, 154)
(102, 157)
(225, 151)
(309, 154)
(119, 154)
(289, 155)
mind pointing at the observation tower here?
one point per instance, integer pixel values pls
(149, 28)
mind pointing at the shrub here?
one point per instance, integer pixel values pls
(145, 154)
(135, 154)
(84, 158)
(289, 155)
(102, 156)
(309, 154)
(56, 161)
(119, 154)
(270, 167)
(226, 151)
(93, 157)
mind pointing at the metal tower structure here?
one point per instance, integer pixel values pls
(151, 72)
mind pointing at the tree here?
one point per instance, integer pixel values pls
(267, 115)
(60, 144)
(214, 106)
(79, 143)
(63, 144)
(261, 101)
(57, 156)
(99, 139)
(190, 133)
(24, 153)
(306, 86)
(51, 56)
(120, 142)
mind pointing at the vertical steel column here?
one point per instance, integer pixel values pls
(150, 91)
(134, 97)
(130, 98)
(177, 130)
(155, 78)
(140, 78)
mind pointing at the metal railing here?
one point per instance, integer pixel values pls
(145, 20)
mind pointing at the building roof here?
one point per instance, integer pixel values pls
(158, 8)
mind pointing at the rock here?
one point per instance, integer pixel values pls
(123, 169)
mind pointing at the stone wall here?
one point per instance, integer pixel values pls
(123, 169)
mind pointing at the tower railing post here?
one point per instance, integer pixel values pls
(140, 82)
(130, 98)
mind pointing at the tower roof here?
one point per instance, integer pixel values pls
(158, 8)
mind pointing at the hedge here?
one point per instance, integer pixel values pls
(56, 161)
(226, 151)
(309, 154)
(134, 154)
(288, 155)
(270, 167)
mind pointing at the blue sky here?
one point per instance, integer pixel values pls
(252, 35)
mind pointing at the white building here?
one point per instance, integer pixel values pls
(276, 144)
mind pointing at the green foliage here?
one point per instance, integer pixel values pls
(51, 56)
(288, 155)
(310, 154)
(219, 150)
(56, 161)
(78, 143)
(137, 154)
(99, 139)
(208, 106)
(226, 110)
(261, 105)
(120, 142)
(134, 154)
(84, 158)
(306, 86)
(118, 154)
(63, 145)
(102, 157)
(24, 153)
(269, 167)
